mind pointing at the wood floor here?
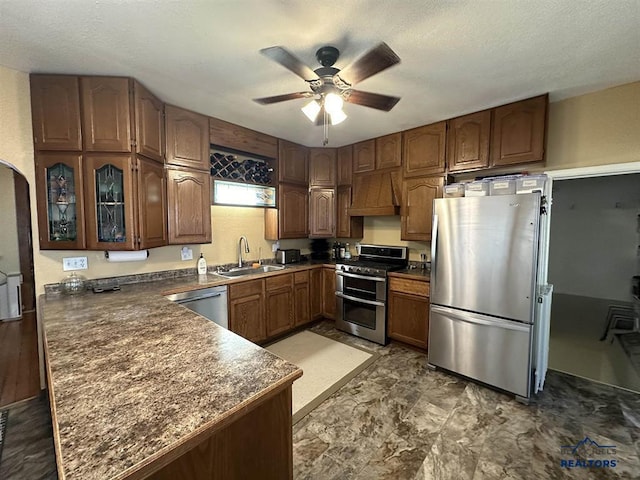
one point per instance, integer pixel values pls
(19, 375)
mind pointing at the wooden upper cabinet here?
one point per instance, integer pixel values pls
(291, 218)
(60, 201)
(417, 207)
(152, 203)
(106, 112)
(322, 167)
(345, 165)
(229, 135)
(55, 107)
(389, 151)
(149, 123)
(468, 142)
(189, 206)
(293, 163)
(424, 150)
(519, 132)
(322, 212)
(110, 202)
(364, 156)
(346, 226)
(187, 138)
(293, 206)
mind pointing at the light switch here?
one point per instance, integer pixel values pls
(186, 253)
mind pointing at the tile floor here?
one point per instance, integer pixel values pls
(399, 420)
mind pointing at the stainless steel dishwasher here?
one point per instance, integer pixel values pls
(209, 302)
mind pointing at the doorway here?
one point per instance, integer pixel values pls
(19, 368)
(593, 257)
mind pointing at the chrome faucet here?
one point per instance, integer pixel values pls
(246, 249)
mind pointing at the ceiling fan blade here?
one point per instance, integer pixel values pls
(289, 61)
(373, 100)
(283, 98)
(375, 60)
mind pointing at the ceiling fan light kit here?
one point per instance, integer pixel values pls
(331, 86)
(311, 110)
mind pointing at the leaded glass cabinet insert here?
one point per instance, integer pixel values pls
(61, 203)
(110, 204)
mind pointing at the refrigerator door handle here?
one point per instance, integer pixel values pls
(479, 319)
(434, 255)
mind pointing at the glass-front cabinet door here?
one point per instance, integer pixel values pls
(110, 202)
(60, 201)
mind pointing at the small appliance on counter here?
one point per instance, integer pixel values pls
(291, 255)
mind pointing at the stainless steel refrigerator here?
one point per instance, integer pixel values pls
(489, 313)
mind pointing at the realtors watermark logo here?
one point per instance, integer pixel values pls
(588, 453)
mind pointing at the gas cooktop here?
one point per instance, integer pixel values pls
(376, 260)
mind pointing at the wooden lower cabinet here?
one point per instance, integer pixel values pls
(329, 292)
(256, 444)
(302, 300)
(279, 304)
(315, 293)
(246, 310)
(408, 311)
(262, 309)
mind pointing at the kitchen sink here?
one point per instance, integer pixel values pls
(239, 272)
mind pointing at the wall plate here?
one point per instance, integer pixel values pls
(74, 263)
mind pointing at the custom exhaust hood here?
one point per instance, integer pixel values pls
(376, 194)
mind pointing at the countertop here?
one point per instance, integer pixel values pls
(412, 273)
(134, 379)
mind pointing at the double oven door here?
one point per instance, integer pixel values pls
(361, 305)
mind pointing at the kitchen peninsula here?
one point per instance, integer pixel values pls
(143, 388)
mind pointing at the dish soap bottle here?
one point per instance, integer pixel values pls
(202, 265)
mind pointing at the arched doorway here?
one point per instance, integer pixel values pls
(19, 370)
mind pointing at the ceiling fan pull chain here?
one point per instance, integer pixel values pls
(325, 127)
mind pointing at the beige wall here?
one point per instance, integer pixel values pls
(597, 128)
(386, 231)
(9, 259)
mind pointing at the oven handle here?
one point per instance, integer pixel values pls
(364, 277)
(359, 300)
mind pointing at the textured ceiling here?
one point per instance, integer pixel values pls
(457, 56)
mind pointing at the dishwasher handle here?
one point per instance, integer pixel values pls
(198, 297)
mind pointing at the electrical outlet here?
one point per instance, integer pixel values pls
(186, 253)
(74, 263)
(275, 246)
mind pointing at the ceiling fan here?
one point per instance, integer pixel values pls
(330, 86)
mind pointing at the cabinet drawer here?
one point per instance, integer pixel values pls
(244, 289)
(403, 285)
(301, 277)
(279, 281)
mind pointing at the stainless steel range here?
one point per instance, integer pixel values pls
(361, 290)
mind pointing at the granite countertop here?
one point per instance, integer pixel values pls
(412, 273)
(134, 378)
